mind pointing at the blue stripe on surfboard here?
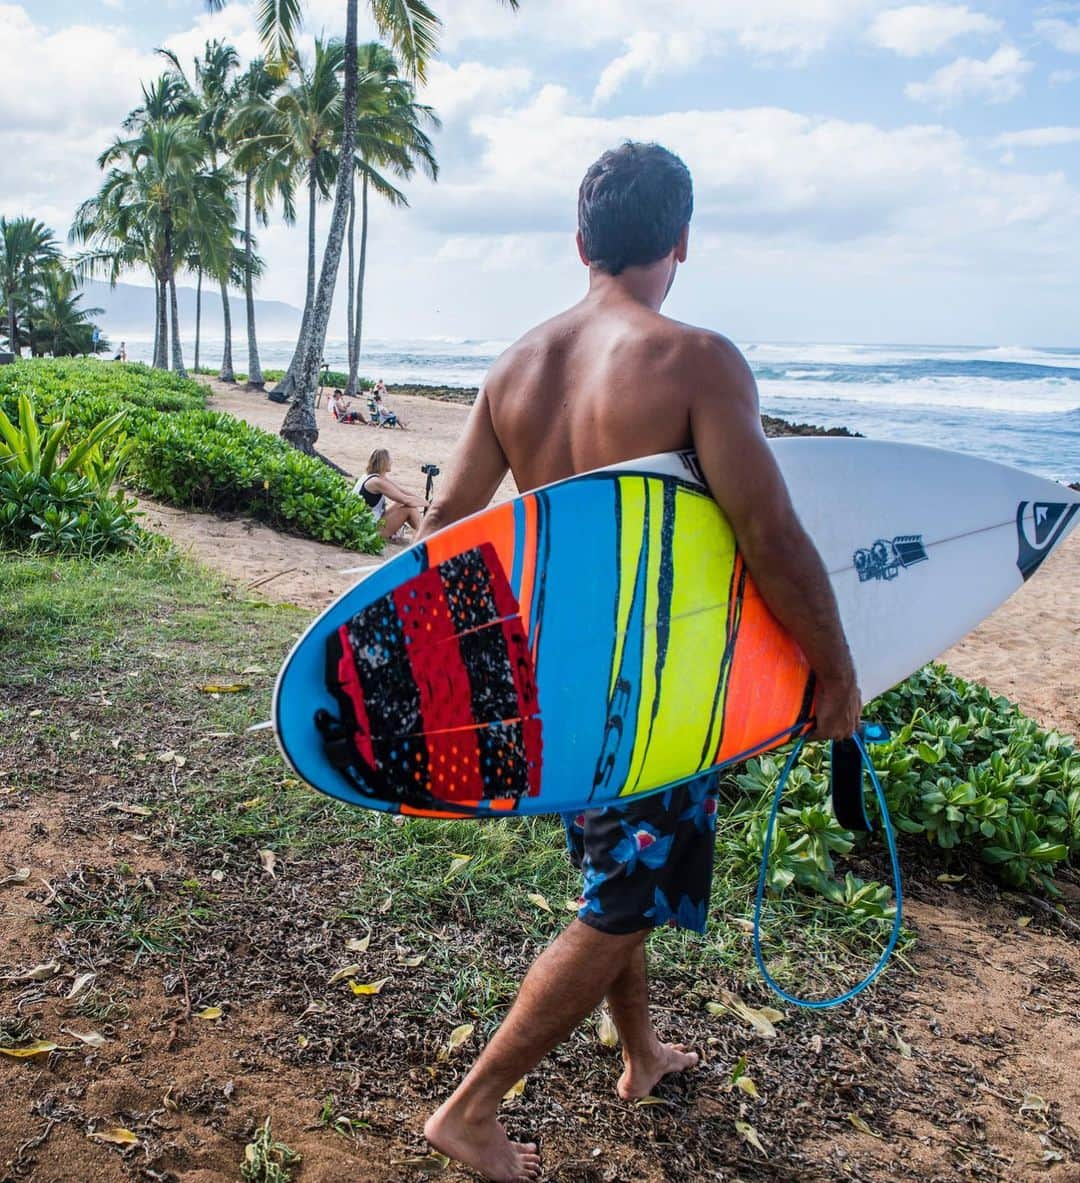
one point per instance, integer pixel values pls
(575, 635)
(519, 550)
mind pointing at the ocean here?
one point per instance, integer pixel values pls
(1016, 405)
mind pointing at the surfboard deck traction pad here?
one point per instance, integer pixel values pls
(437, 691)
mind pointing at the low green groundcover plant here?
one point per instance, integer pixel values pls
(965, 769)
(188, 456)
(58, 496)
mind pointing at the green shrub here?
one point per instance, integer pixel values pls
(56, 494)
(212, 461)
(965, 768)
(191, 457)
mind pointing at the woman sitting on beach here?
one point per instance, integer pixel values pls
(338, 406)
(393, 507)
(381, 415)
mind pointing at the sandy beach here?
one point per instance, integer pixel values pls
(1028, 650)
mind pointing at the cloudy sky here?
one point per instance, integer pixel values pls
(865, 170)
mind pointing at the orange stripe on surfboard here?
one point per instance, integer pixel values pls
(768, 679)
(496, 526)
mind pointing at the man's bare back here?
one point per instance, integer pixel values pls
(606, 381)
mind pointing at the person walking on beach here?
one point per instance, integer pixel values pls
(608, 381)
(392, 507)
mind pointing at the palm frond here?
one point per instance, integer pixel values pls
(414, 29)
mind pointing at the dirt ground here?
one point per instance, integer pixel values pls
(963, 1065)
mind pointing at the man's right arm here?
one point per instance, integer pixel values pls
(746, 481)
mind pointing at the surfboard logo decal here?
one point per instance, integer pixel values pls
(1049, 521)
(887, 558)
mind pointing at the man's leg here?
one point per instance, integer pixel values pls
(647, 1060)
(565, 983)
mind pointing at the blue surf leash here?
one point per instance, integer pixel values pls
(871, 733)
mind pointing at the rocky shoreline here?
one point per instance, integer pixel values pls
(466, 395)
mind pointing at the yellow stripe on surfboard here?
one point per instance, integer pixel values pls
(703, 559)
(631, 537)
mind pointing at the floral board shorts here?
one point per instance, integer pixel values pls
(649, 863)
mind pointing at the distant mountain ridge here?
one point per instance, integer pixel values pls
(129, 312)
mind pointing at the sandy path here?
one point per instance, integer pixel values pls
(1028, 650)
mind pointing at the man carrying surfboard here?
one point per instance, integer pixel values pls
(605, 382)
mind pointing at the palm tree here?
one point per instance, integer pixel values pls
(27, 249)
(413, 30)
(299, 130)
(211, 99)
(267, 172)
(390, 137)
(61, 327)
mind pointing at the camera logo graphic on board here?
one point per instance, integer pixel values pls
(886, 559)
(1040, 531)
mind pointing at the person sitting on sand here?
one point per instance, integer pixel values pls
(338, 406)
(381, 415)
(392, 506)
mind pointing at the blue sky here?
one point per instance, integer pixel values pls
(866, 170)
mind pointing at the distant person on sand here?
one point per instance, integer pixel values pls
(121, 353)
(392, 506)
(381, 415)
(340, 407)
(602, 383)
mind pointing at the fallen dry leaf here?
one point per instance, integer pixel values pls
(606, 1031)
(1033, 1103)
(368, 987)
(459, 1035)
(431, 1164)
(763, 1020)
(348, 971)
(515, 1091)
(861, 1125)
(38, 1048)
(411, 962)
(746, 1084)
(359, 944)
(748, 1134)
(20, 876)
(572, 905)
(458, 864)
(225, 688)
(905, 1048)
(644, 1102)
(118, 1136)
(210, 1013)
(39, 973)
(268, 861)
(134, 810)
(534, 897)
(91, 1038)
(951, 878)
(79, 985)
(1023, 921)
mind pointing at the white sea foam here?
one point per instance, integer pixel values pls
(1042, 396)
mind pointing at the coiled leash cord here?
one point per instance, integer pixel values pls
(890, 838)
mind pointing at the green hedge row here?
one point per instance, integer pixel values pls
(188, 456)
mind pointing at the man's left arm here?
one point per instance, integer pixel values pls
(479, 466)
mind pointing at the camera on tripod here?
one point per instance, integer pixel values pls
(431, 471)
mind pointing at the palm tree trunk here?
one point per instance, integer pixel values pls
(227, 374)
(13, 328)
(198, 318)
(300, 428)
(350, 314)
(255, 380)
(358, 328)
(174, 309)
(287, 386)
(161, 337)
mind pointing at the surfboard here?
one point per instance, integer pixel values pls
(601, 638)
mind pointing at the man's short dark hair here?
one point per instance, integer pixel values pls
(632, 206)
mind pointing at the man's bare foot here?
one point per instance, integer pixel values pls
(643, 1075)
(483, 1146)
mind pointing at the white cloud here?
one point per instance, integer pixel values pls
(649, 56)
(926, 28)
(1039, 137)
(1063, 35)
(1063, 77)
(996, 79)
(765, 176)
(473, 87)
(794, 28)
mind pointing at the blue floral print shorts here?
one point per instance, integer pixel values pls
(649, 863)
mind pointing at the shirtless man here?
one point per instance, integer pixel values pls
(608, 381)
